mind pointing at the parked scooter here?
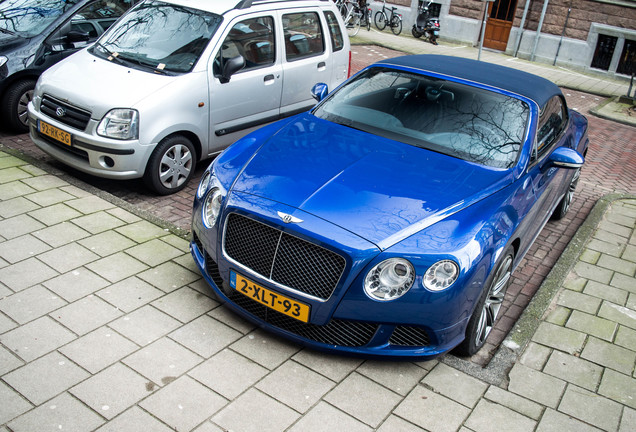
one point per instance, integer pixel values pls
(425, 24)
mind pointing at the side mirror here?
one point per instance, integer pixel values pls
(77, 36)
(565, 157)
(230, 67)
(319, 91)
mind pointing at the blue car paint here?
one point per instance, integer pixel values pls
(296, 165)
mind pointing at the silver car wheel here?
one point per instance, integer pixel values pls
(23, 102)
(175, 166)
(494, 300)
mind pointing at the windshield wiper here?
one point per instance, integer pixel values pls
(111, 55)
(142, 64)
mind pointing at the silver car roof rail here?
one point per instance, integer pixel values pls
(245, 4)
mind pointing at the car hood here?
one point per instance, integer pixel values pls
(379, 189)
(98, 85)
(11, 42)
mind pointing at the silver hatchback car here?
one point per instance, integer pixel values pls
(176, 81)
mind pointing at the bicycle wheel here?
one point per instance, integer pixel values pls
(380, 20)
(353, 26)
(367, 20)
(396, 25)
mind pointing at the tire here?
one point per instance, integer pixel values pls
(396, 25)
(433, 40)
(14, 105)
(380, 20)
(564, 205)
(415, 33)
(171, 165)
(368, 21)
(485, 314)
(353, 26)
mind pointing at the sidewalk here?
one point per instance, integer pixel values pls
(105, 324)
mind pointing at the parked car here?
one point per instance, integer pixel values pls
(388, 220)
(177, 81)
(35, 34)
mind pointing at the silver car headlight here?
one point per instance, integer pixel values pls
(441, 275)
(120, 124)
(213, 199)
(390, 279)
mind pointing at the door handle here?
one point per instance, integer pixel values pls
(268, 79)
(322, 65)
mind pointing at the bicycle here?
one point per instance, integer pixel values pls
(365, 18)
(395, 21)
(351, 14)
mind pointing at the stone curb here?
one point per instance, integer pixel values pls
(597, 111)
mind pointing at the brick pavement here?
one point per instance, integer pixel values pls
(106, 325)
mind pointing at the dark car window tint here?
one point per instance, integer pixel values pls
(252, 39)
(337, 42)
(303, 35)
(552, 120)
(31, 17)
(466, 122)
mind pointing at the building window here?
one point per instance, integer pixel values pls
(627, 62)
(604, 52)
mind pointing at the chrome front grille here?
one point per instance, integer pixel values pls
(74, 117)
(283, 258)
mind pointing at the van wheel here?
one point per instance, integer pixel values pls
(14, 105)
(171, 165)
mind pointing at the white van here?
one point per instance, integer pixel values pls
(176, 81)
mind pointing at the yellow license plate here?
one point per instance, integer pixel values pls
(269, 298)
(55, 133)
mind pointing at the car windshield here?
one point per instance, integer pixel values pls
(29, 18)
(459, 120)
(159, 36)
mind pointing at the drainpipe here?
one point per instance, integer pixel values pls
(536, 39)
(567, 17)
(523, 21)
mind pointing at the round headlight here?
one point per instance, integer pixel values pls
(212, 206)
(203, 184)
(441, 275)
(390, 279)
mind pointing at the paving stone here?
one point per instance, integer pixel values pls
(554, 421)
(631, 302)
(184, 403)
(265, 349)
(117, 267)
(589, 256)
(592, 325)
(16, 206)
(61, 234)
(12, 174)
(396, 424)
(64, 413)
(135, 420)
(575, 370)
(18, 226)
(14, 189)
(12, 404)
(601, 246)
(54, 214)
(431, 411)
(85, 315)
(295, 385)
(488, 416)
(208, 426)
(623, 282)
(325, 418)
(559, 315)
(619, 265)
(145, 325)
(44, 182)
(112, 390)
(609, 355)
(169, 276)
(535, 386)
(98, 349)
(558, 337)
(574, 282)
(68, 257)
(535, 356)
(616, 216)
(98, 222)
(220, 373)
(75, 191)
(6, 323)
(8, 361)
(591, 408)
(630, 253)
(36, 338)
(180, 243)
(626, 338)
(619, 314)
(162, 361)
(23, 247)
(593, 272)
(50, 197)
(185, 304)
(154, 252)
(618, 387)
(252, 412)
(129, 294)
(515, 402)
(107, 243)
(90, 204)
(615, 228)
(186, 261)
(400, 377)
(76, 284)
(30, 304)
(334, 367)
(578, 301)
(46, 377)
(237, 322)
(363, 399)
(25, 274)
(455, 385)
(141, 231)
(7, 161)
(33, 170)
(606, 292)
(628, 421)
(205, 336)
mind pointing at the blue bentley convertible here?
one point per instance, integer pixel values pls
(387, 220)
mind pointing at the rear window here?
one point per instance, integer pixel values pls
(303, 35)
(337, 42)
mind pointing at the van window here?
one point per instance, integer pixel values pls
(253, 39)
(337, 42)
(303, 35)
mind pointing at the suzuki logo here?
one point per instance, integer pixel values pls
(287, 218)
(61, 112)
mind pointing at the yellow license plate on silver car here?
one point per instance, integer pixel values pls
(55, 133)
(269, 298)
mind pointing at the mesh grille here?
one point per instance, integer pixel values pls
(283, 258)
(409, 336)
(74, 117)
